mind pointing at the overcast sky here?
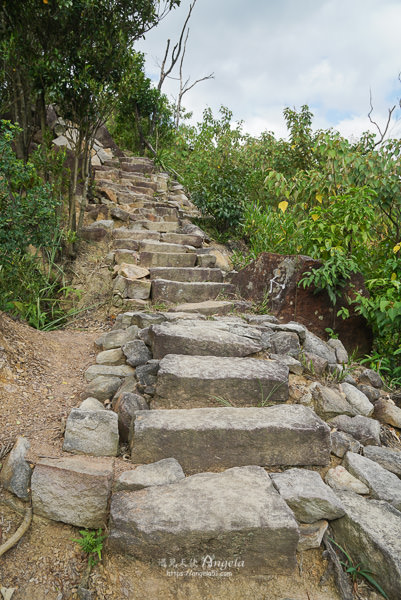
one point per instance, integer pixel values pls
(269, 54)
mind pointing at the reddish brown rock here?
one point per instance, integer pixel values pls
(278, 275)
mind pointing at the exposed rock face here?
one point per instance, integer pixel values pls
(234, 514)
(208, 438)
(279, 276)
(73, 490)
(370, 530)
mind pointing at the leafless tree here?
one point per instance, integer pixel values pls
(382, 131)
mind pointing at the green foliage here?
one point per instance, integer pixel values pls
(358, 570)
(91, 543)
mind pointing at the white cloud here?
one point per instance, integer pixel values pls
(267, 55)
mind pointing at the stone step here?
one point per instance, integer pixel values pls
(206, 380)
(182, 238)
(134, 234)
(186, 274)
(209, 307)
(234, 516)
(167, 259)
(199, 338)
(153, 246)
(203, 439)
(178, 292)
(137, 167)
(208, 261)
(160, 226)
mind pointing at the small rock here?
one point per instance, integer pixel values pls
(386, 457)
(91, 404)
(293, 364)
(102, 387)
(364, 429)
(315, 345)
(328, 402)
(125, 407)
(387, 412)
(341, 479)
(285, 343)
(314, 363)
(307, 495)
(165, 471)
(341, 442)
(357, 399)
(370, 377)
(372, 393)
(311, 534)
(132, 272)
(91, 432)
(382, 484)
(108, 371)
(137, 353)
(15, 476)
(117, 337)
(341, 353)
(112, 357)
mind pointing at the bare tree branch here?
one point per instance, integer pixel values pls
(390, 113)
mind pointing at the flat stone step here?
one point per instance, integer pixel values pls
(199, 338)
(203, 439)
(167, 259)
(209, 307)
(154, 246)
(186, 274)
(205, 380)
(134, 234)
(162, 226)
(183, 238)
(236, 516)
(177, 292)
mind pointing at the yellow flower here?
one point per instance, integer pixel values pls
(319, 198)
(283, 205)
(397, 248)
(315, 217)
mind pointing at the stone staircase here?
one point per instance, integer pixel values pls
(206, 398)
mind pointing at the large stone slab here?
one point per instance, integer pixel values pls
(382, 484)
(186, 274)
(307, 495)
(154, 246)
(199, 338)
(73, 490)
(193, 291)
(370, 530)
(93, 432)
(200, 379)
(164, 259)
(209, 307)
(212, 438)
(232, 515)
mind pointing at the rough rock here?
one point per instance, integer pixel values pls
(311, 534)
(370, 392)
(209, 307)
(15, 475)
(137, 353)
(314, 363)
(316, 345)
(103, 388)
(364, 429)
(132, 272)
(338, 347)
(73, 490)
(285, 343)
(118, 337)
(162, 472)
(108, 371)
(370, 530)
(234, 514)
(93, 432)
(386, 457)
(341, 479)
(382, 484)
(307, 495)
(341, 442)
(199, 379)
(329, 403)
(207, 438)
(387, 412)
(126, 405)
(370, 377)
(111, 357)
(357, 399)
(293, 364)
(91, 404)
